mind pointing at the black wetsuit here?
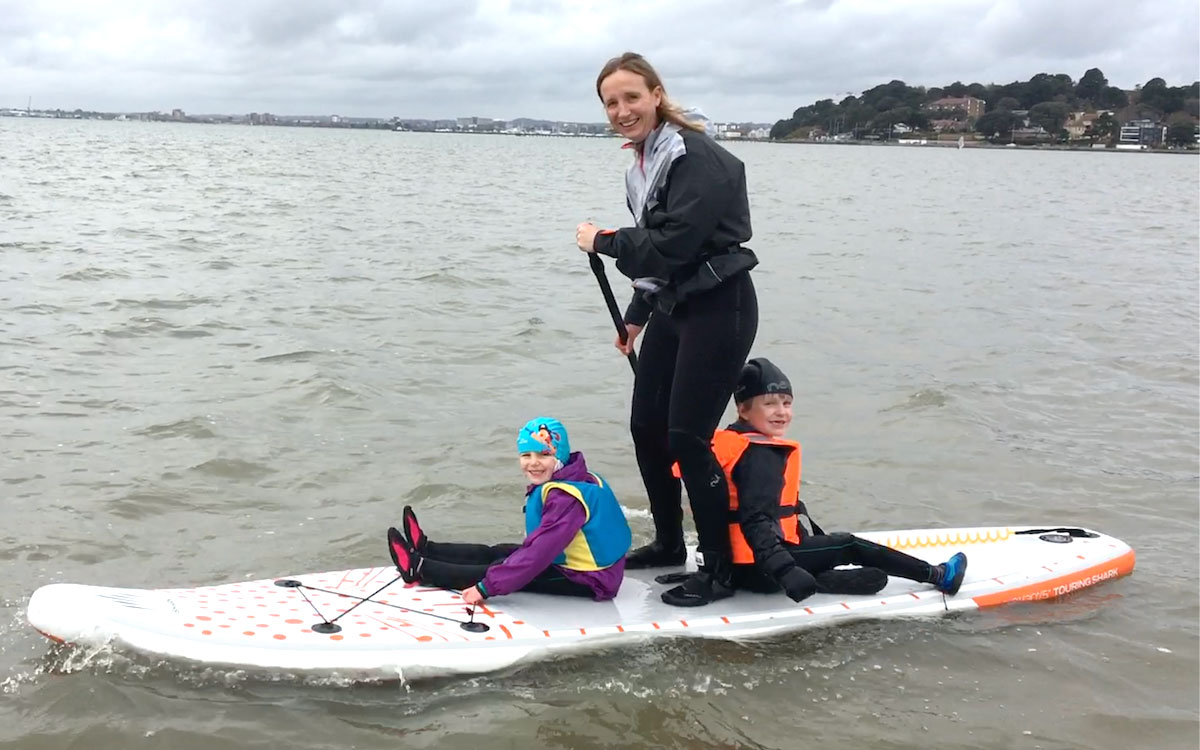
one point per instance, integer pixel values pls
(688, 197)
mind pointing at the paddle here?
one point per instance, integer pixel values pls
(602, 279)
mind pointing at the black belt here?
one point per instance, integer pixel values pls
(788, 511)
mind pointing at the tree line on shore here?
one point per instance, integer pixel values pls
(1045, 100)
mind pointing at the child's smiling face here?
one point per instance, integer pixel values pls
(770, 414)
(538, 467)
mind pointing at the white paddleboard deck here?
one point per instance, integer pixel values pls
(401, 631)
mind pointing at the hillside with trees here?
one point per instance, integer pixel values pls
(1043, 106)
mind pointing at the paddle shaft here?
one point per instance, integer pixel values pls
(611, 301)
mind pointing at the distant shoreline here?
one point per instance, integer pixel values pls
(941, 144)
(992, 146)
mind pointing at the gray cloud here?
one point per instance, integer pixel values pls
(751, 61)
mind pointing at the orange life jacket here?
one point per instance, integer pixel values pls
(728, 446)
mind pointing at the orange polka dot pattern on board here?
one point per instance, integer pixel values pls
(259, 610)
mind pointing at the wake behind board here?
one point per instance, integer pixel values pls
(366, 624)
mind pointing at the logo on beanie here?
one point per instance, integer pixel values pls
(546, 437)
(760, 377)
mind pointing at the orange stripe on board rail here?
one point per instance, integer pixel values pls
(54, 638)
(1062, 585)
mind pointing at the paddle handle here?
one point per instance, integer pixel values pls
(611, 301)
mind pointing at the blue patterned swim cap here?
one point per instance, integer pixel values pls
(544, 435)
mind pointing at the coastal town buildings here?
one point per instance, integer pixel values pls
(1081, 124)
(966, 108)
(1139, 133)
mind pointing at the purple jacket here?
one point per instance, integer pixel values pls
(562, 518)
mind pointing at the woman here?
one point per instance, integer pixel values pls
(693, 295)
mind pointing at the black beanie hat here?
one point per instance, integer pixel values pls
(760, 376)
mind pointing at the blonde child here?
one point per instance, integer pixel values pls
(576, 535)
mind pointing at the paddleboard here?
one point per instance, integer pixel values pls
(367, 624)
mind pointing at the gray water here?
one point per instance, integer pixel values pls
(231, 353)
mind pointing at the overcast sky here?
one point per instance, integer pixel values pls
(740, 60)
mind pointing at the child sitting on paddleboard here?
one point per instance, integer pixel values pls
(771, 549)
(576, 534)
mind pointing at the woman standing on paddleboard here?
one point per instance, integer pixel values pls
(694, 297)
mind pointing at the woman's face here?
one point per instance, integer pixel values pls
(632, 108)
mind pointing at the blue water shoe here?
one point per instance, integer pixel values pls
(952, 572)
